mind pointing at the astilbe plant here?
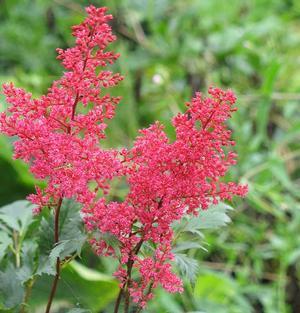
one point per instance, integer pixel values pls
(167, 180)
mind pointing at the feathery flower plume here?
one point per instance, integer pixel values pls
(60, 144)
(167, 180)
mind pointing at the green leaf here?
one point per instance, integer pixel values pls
(45, 266)
(11, 289)
(89, 274)
(5, 241)
(93, 288)
(45, 242)
(71, 235)
(67, 248)
(17, 215)
(188, 266)
(70, 221)
(215, 216)
(215, 287)
(29, 259)
(219, 290)
(187, 245)
(78, 285)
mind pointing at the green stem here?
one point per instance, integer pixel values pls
(17, 248)
(24, 305)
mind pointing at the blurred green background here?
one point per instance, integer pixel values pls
(169, 49)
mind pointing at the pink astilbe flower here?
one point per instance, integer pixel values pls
(61, 145)
(167, 180)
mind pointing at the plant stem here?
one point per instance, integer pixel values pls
(24, 305)
(17, 248)
(130, 263)
(117, 305)
(125, 287)
(129, 270)
(56, 240)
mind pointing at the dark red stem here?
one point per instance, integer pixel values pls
(118, 301)
(56, 240)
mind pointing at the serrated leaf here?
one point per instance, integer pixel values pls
(70, 222)
(5, 241)
(29, 260)
(45, 266)
(46, 232)
(71, 235)
(188, 266)
(214, 217)
(67, 248)
(11, 289)
(186, 245)
(70, 225)
(17, 215)
(45, 242)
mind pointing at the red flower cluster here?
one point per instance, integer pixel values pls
(166, 180)
(61, 145)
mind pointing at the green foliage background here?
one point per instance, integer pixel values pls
(169, 49)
